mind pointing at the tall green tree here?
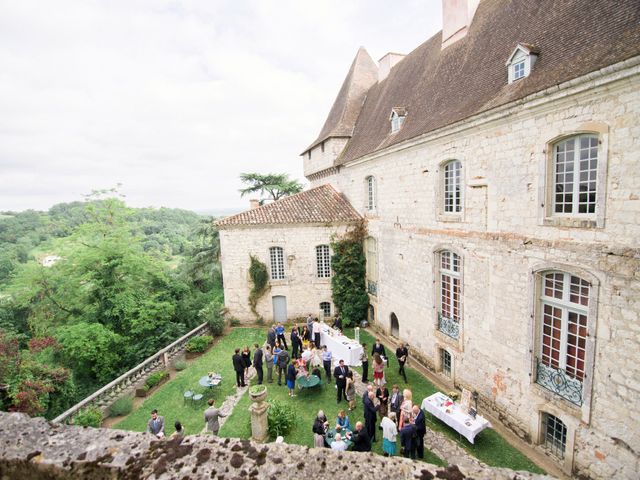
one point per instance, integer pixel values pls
(275, 185)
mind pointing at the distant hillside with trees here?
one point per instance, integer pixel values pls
(90, 289)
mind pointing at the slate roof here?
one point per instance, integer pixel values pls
(346, 108)
(441, 87)
(322, 204)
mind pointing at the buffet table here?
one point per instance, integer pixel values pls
(342, 348)
(443, 408)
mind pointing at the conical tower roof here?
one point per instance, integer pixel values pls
(346, 108)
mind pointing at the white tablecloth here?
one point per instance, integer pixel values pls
(457, 419)
(342, 348)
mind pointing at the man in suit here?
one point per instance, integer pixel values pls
(370, 411)
(337, 323)
(211, 416)
(408, 438)
(155, 425)
(378, 348)
(361, 440)
(257, 362)
(271, 336)
(340, 374)
(395, 401)
(402, 353)
(421, 429)
(238, 366)
(281, 363)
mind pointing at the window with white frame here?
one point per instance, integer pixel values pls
(397, 119)
(521, 62)
(323, 261)
(372, 265)
(575, 172)
(325, 308)
(452, 187)
(554, 433)
(518, 70)
(450, 290)
(371, 192)
(276, 255)
(564, 323)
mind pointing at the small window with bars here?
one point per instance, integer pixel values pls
(276, 255)
(445, 362)
(371, 193)
(323, 261)
(555, 435)
(325, 308)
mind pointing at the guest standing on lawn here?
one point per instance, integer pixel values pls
(316, 332)
(389, 434)
(310, 327)
(282, 360)
(257, 362)
(378, 370)
(319, 429)
(370, 414)
(326, 362)
(271, 336)
(421, 429)
(364, 358)
(408, 437)
(395, 401)
(350, 391)
(238, 366)
(211, 417)
(340, 374)
(291, 378)
(246, 360)
(268, 360)
(280, 336)
(155, 425)
(305, 336)
(382, 394)
(402, 354)
(295, 342)
(378, 348)
(337, 323)
(406, 409)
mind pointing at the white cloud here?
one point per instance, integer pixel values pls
(175, 99)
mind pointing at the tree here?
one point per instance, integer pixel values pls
(276, 185)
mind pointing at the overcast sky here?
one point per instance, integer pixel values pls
(175, 99)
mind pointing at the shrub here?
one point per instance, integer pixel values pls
(180, 365)
(89, 417)
(281, 417)
(199, 344)
(122, 406)
(234, 322)
(155, 378)
(212, 314)
(259, 276)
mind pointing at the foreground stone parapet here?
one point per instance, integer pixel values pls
(34, 448)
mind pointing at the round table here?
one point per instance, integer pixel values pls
(331, 435)
(308, 382)
(208, 382)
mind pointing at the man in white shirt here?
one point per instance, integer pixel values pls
(338, 444)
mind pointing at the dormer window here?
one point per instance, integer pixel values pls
(521, 61)
(397, 118)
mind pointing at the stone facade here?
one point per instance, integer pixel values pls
(301, 287)
(505, 238)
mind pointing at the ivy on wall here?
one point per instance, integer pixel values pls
(259, 277)
(348, 283)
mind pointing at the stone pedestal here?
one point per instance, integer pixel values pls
(259, 420)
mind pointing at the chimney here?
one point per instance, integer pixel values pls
(386, 63)
(253, 203)
(456, 18)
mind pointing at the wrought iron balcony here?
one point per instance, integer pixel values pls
(449, 326)
(372, 287)
(559, 382)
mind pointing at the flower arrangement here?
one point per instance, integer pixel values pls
(453, 395)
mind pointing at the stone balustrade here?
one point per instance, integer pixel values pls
(107, 394)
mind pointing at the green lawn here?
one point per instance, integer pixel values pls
(168, 399)
(490, 447)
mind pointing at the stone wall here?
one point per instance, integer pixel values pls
(505, 237)
(34, 448)
(302, 288)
